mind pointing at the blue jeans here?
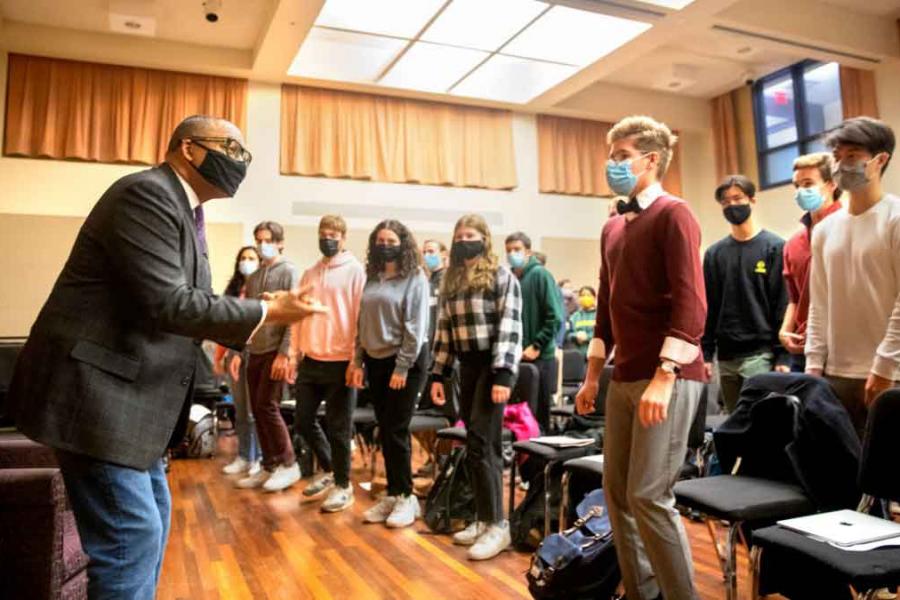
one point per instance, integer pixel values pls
(123, 518)
(245, 424)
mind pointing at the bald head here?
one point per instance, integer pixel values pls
(204, 126)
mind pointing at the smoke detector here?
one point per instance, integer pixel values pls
(676, 78)
(132, 17)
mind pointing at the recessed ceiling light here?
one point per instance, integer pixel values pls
(482, 24)
(676, 4)
(400, 18)
(511, 79)
(432, 67)
(575, 37)
(344, 56)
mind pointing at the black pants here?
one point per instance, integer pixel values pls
(393, 411)
(798, 363)
(484, 428)
(549, 375)
(319, 381)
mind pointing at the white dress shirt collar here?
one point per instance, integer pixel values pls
(649, 195)
(192, 197)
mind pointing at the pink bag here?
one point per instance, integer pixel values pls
(519, 419)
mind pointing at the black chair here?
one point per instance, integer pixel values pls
(782, 558)
(9, 352)
(574, 366)
(765, 491)
(586, 473)
(566, 411)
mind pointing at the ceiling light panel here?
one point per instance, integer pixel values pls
(344, 56)
(572, 36)
(432, 67)
(400, 18)
(482, 24)
(675, 4)
(510, 79)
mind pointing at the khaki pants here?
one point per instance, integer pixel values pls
(640, 468)
(733, 373)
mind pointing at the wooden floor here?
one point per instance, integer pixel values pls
(229, 543)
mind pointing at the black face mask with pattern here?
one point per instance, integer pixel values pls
(221, 171)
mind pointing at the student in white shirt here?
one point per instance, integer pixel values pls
(853, 336)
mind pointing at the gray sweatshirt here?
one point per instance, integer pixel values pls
(281, 276)
(393, 320)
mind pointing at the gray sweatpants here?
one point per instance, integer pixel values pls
(640, 467)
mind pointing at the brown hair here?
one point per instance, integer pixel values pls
(481, 276)
(822, 161)
(335, 223)
(649, 136)
(410, 258)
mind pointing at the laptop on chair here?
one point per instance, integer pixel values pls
(844, 528)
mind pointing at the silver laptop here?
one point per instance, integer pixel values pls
(844, 527)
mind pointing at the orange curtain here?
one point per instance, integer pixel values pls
(76, 110)
(333, 133)
(725, 135)
(572, 157)
(858, 93)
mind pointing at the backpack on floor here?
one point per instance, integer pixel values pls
(451, 504)
(580, 563)
(200, 438)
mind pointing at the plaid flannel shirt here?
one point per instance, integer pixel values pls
(481, 321)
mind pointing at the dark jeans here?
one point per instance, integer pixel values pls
(123, 518)
(319, 381)
(265, 400)
(798, 363)
(393, 411)
(549, 376)
(484, 428)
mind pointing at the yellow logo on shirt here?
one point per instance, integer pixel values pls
(761, 267)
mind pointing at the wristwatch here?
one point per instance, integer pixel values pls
(669, 366)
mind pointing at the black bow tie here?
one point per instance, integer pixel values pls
(632, 205)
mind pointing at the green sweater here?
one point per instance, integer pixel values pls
(582, 320)
(542, 309)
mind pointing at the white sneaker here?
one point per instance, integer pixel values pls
(338, 499)
(381, 511)
(255, 467)
(319, 484)
(405, 512)
(252, 481)
(492, 542)
(237, 466)
(470, 534)
(282, 478)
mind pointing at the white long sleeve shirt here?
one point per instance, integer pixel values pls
(854, 313)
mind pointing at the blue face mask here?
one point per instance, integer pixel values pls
(620, 177)
(248, 267)
(268, 250)
(809, 199)
(433, 262)
(516, 259)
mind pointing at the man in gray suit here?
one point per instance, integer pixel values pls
(107, 373)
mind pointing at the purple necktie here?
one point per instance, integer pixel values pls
(200, 224)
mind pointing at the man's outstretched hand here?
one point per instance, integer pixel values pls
(285, 307)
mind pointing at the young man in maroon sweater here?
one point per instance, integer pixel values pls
(652, 307)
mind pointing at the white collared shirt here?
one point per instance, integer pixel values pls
(649, 195)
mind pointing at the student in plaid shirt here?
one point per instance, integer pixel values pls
(479, 323)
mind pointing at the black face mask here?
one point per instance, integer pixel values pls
(328, 247)
(221, 171)
(465, 250)
(387, 253)
(736, 214)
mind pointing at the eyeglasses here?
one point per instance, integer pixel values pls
(228, 146)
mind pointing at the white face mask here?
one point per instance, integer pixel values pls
(248, 267)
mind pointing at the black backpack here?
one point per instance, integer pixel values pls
(451, 503)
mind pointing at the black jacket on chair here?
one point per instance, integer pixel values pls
(109, 364)
(825, 452)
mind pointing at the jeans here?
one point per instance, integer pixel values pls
(245, 424)
(484, 429)
(549, 378)
(319, 381)
(393, 411)
(732, 374)
(265, 399)
(123, 517)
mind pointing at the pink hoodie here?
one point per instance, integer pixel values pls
(338, 284)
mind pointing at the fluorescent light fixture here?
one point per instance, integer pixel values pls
(575, 37)
(482, 24)
(510, 79)
(676, 4)
(344, 56)
(432, 67)
(399, 18)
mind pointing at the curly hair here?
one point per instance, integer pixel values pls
(410, 257)
(237, 281)
(482, 274)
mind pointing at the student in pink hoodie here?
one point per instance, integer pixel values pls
(324, 346)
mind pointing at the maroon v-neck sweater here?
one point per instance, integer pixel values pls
(651, 288)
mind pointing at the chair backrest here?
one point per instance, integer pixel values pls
(697, 434)
(527, 385)
(9, 352)
(879, 475)
(574, 366)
